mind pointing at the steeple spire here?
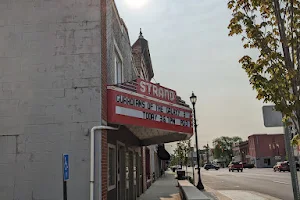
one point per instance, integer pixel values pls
(141, 34)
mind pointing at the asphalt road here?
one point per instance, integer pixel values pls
(265, 181)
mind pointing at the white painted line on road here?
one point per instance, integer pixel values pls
(245, 195)
(280, 182)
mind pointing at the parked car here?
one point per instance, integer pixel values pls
(238, 166)
(248, 165)
(175, 167)
(281, 167)
(284, 166)
(297, 165)
(211, 166)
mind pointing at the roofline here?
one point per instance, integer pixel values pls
(265, 134)
(120, 19)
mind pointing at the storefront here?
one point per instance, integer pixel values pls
(146, 114)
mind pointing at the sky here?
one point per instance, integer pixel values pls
(191, 51)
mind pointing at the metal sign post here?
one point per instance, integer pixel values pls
(273, 118)
(66, 174)
(291, 158)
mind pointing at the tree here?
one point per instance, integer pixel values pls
(223, 146)
(272, 28)
(182, 152)
(174, 160)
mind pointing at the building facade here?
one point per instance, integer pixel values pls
(147, 114)
(240, 152)
(69, 75)
(266, 149)
(50, 56)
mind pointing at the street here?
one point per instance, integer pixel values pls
(265, 181)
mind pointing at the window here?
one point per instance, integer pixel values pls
(143, 71)
(134, 168)
(127, 169)
(142, 75)
(119, 69)
(118, 59)
(111, 167)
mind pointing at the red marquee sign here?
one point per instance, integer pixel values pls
(129, 108)
(155, 90)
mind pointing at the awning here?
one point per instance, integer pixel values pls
(162, 153)
(155, 115)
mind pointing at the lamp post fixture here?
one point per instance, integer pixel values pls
(193, 99)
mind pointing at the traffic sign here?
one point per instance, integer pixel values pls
(272, 118)
(66, 167)
(277, 157)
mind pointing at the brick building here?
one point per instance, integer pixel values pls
(61, 64)
(266, 149)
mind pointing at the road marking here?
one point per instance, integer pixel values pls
(245, 195)
(280, 182)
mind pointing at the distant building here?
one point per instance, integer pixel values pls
(192, 158)
(204, 158)
(266, 149)
(241, 151)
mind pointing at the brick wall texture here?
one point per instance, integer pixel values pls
(50, 81)
(104, 69)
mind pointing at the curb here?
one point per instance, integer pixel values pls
(217, 195)
(214, 193)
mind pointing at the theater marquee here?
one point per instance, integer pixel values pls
(130, 108)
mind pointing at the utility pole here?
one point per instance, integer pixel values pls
(291, 158)
(207, 155)
(273, 118)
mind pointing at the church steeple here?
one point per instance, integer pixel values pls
(141, 34)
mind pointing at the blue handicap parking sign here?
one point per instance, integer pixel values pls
(66, 167)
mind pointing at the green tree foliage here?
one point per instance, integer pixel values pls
(223, 147)
(181, 153)
(272, 27)
(174, 160)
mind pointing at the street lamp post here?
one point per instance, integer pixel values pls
(193, 99)
(192, 156)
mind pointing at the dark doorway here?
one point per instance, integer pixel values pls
(121, 172)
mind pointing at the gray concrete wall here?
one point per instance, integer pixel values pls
(152, 149)
(117, 35)
(260, 162)
(49, 96)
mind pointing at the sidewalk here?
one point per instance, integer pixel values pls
(165, 188)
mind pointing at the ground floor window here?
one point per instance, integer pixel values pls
(267, 161)
(111, 166)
